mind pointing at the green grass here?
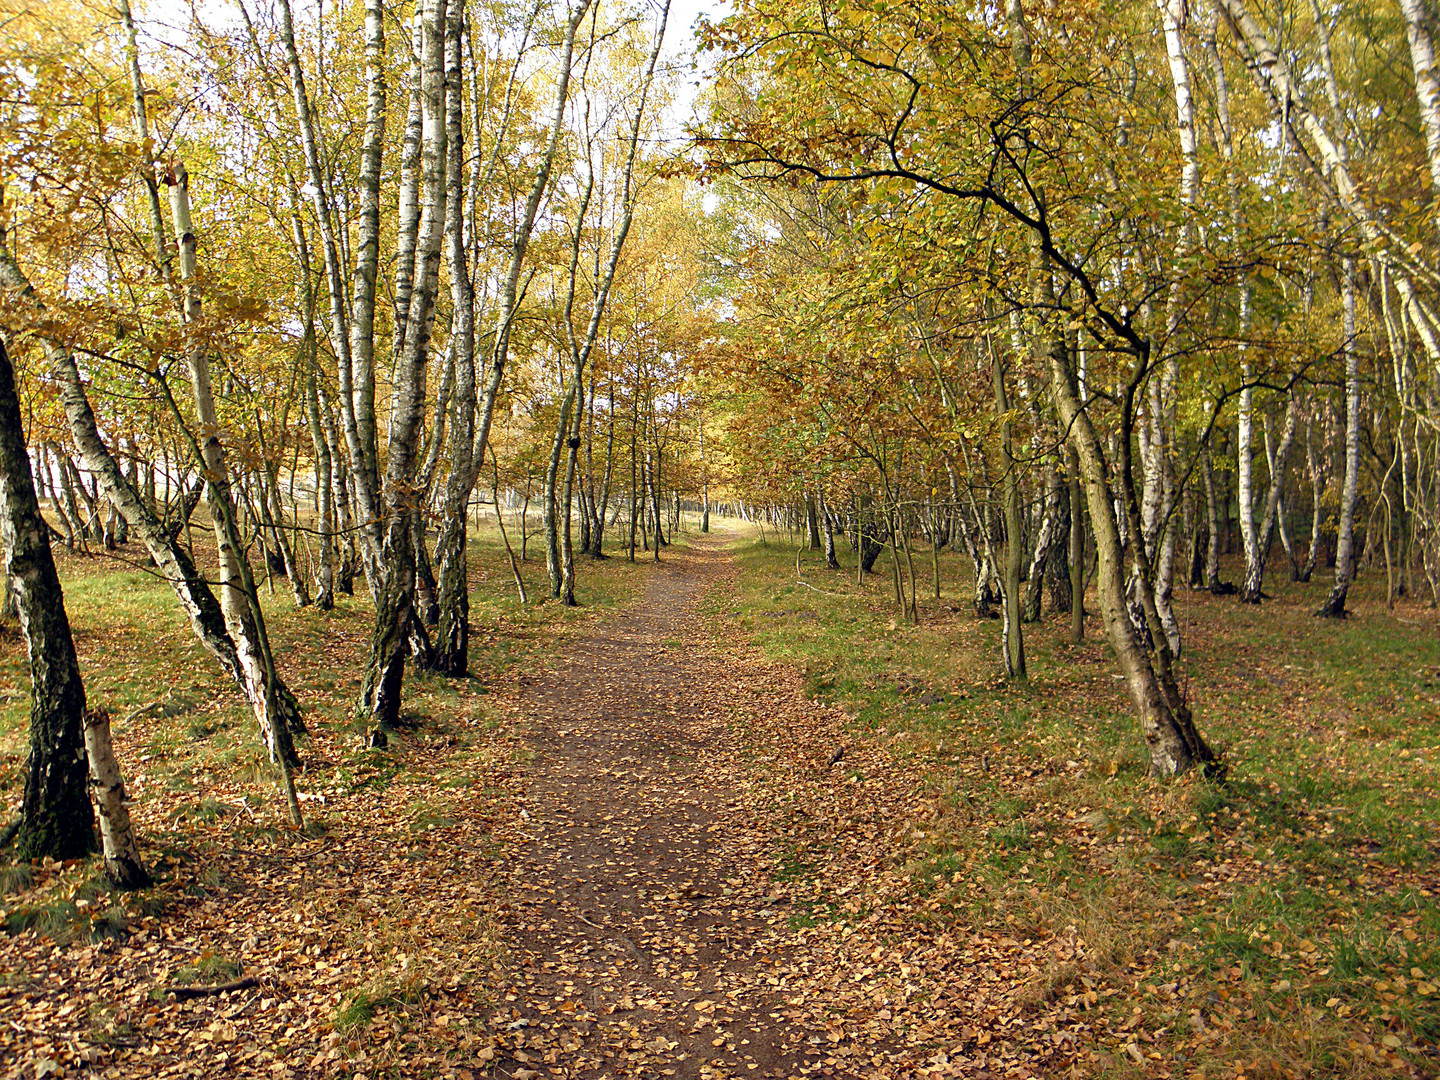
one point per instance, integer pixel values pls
(358, 1007)
(189, 745)
(88, 910)
(144, 665)
(209, 969)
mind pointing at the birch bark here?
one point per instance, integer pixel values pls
(352, 326)
(453, 629)
(1334, 606)
(207, 619)
(55, 817)
(452, 637)
(1264, 535)
(395, 617)
(1419, 33)
(238, 599)
(1271, 73)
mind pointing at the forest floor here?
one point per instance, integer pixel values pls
(724, 823)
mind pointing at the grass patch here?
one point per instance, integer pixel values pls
(358, 1007)
(209, 969)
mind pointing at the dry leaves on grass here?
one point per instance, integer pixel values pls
(368, 943)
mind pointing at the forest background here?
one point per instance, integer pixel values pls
(1010, 308)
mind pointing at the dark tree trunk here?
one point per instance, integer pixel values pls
(830, 560)
(389, 638)
(1334, 607)
(1077, 549)
(1057, 563)
(425, 587)
(870, 547)
(56, 820)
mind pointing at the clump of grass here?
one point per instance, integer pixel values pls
(359, 1006)
(16, 878)
(209, 968)
(206, 810)
(430, 819)
(1012, 837)
(67, 920)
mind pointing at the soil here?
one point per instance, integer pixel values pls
(647, 935)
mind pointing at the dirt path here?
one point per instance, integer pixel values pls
(645, 938)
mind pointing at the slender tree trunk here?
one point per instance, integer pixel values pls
(1045, 538)
(207, 619)
(1419, 32)
(1334, 607)
(1262, 537)
(551, 493)
(452, 636)
(395, 612)
(830, 560)
(1331, 175)
(455, 611)
(272, 513)
(352, 331)
(123, 864)
(1077, 549)
(597, 538)
(324, 497)
(1174, 744)
(75, 525)
(238, 599)
(67, 528)
(705, 496)
(634, 462)
(1316, 474)
(407, 232)
(505, 539)
(1215, 528)
(1014, 539)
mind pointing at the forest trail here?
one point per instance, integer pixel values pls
(646, 938)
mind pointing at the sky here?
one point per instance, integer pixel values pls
(679, 39)
(166, 20)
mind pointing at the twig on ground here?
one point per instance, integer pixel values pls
(143, 710)
(822, 592)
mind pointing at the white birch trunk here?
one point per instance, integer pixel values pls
(395, 604)
(237, 592)
(1272, 74)
(1427, 88)
(355, 369)
(107, 786)
(1334, 607)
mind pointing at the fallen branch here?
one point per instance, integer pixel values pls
(186, 993)
(822, 592)
(143, 710)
